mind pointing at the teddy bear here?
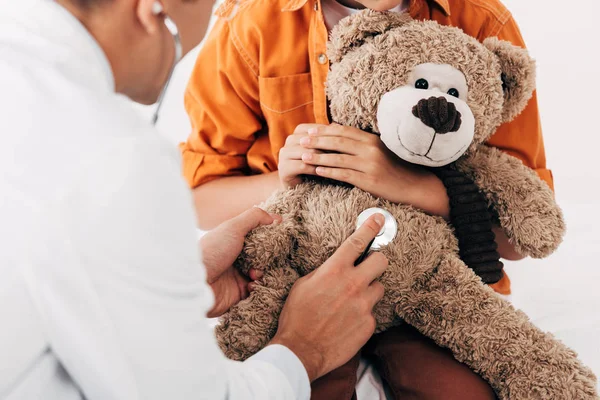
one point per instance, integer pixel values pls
(433, 95)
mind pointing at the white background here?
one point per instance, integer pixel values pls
(561, 293)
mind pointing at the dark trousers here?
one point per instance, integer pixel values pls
(412, 365)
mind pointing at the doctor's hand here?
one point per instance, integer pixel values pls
(361, 159)
(328, 315)
(220, 248)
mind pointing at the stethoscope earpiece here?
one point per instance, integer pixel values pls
(157, 8)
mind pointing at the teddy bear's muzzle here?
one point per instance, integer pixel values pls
(439, 114)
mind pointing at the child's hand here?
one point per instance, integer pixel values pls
(361, 159)
(291, 166)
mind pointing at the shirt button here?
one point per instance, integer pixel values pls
(322, 58)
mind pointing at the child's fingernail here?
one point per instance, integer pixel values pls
(313, 131)
(307, 157)
(305, 141)
(380, 219)
(319, 170)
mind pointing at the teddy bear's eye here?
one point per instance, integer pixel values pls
(453, 92)
(422, 84)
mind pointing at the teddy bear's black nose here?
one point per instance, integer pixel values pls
(438, 113)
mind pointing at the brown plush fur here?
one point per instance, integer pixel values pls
(427, 285)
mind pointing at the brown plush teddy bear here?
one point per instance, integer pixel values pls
(434, 95)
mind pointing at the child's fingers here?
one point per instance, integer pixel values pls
(332, 143)
(340, 130)
(335, 160)
(294, 140)
(353, 177)
(304, 128)
(299, 167)
(295, 152)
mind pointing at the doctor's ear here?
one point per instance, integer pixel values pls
(147, 13)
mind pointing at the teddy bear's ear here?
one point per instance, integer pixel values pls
(518, 75)
(354, 30)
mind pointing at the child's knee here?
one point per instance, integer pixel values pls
(415, 367)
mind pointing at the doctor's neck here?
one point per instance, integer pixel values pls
(135, 40)
(139, 57)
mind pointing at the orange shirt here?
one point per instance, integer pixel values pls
(262, 72)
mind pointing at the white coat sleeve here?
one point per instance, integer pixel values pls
(124, 309)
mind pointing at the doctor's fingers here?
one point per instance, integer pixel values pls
(375, 293)
(355, 245)
(371, 268)
(249, 220)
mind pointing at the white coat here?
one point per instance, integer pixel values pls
(102, 294)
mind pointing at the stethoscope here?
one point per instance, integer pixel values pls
(385, 236)
(172, 28)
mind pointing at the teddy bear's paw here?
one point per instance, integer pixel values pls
(251, 324)
(550, 371)
(561, 386)
(268, 247)
(538, 234)
(238, 341)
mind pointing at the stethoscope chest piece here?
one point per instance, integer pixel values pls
(386, 234)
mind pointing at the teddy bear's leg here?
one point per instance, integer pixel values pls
(252, 323)
(454, 308)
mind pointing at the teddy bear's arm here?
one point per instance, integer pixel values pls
(524, 204)
(269, 247)
(484, 331)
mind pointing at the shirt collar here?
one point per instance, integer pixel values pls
(60, 39)
(294, 5)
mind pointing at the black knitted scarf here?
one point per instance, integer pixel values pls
(472, 221)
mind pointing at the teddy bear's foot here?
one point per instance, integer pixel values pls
(487, 333)
(250, 324)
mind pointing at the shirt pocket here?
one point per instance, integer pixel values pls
(284, 94)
